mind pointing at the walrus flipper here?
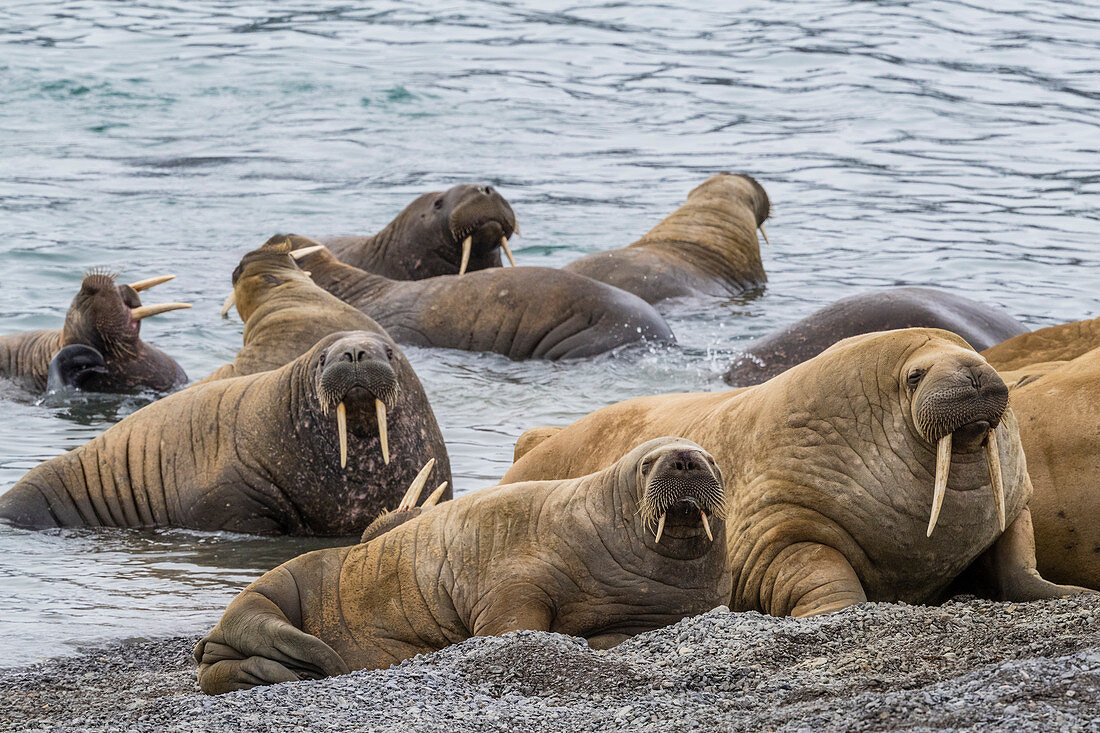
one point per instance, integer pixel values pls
(811, 579)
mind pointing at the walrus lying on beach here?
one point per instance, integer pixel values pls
(1054, 343)
(708, 246)
(521, 312)
(837, 471)
(106, 319)
(297, 450)
(447, 232)
(878, 310)
(1058, 406)
(604, 556)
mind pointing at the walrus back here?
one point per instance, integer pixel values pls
(25, 356)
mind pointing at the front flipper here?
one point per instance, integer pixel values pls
(809, 579)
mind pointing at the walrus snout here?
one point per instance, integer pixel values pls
(683, 488)
(480, 220)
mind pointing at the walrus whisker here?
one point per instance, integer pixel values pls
(507, 251)
(993, 458)
(943, 470)
(765, 233)
(706, 525)
(660, 528)
(434, 497)
(230, 301)
(151, 282)
(300, 253)
(515, 230)
(383, 432)
(342, 431)
(466, 245)
(152, 310)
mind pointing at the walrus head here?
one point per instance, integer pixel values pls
(74, 367)
(738, 185)
(107, 316)
(464, 226)
(682, 493)
(263, 269)
(956, 401)
(356, 374)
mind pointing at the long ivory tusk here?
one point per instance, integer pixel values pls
(434, 497)
(765, 233)
(660, 527)
(151, 282)
(342, 431)
(383, 431)
(515, 230)
(300, 253)
(153, 310)
(230, 301)
(417, 484)
(466, 243)
(943, 470)
(706, 525)
(993, 458)
(507, 251)
(411, 496)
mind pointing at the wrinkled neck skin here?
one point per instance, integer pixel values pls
(715, 233)
(25, 357)
(348, 283)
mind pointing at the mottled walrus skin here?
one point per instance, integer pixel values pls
(285, 313)
(520, 312)
(1054, 343)
(830, 470)
(106, 317)
(578, 557)
(1058, 406)
(708, 246)
(879, 310)
(259, 453)
(427, 238)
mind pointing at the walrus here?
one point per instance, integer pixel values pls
(878, 310)
(1062, 342)
(1058, 406)
(317, 447)
(105, 317)
(604, 556)
(462, 229)
(520, 312)
(708, 246)
(883, 469)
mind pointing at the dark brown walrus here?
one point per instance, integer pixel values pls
(106, 318)
(837, 471)
(260, 453)
(521, 312)
(604, 556)
(447, 232)
(878, 310)
(708, 246)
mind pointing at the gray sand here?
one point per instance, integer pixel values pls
(967, 665)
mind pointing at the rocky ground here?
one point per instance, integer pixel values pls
(967, 665)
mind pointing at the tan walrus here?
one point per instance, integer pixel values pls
(104, 323)
(880, 470)
(1054, 343)
(604, 556)
(462, 229)
(708, 246)
(303, 449)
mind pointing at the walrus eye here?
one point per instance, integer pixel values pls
(647, 464)
(389, 353)
(272, 279)
(913, 380)
(438, 204)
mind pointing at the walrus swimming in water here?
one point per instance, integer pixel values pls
(296, 450)
(880, 470)
(447, 232)
(878, 310)
(105, 318)
(708, 246)
(521, 312)
(604, 556)
(1054, 343)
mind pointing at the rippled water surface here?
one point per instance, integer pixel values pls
(938, 143)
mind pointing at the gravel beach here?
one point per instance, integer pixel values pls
(966, 665)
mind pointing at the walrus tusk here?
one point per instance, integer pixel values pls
(765, 233)
(660, 528)
(504, 246)
(412, 496)
(380, 410)
(152, 310)
(417, 484)
(433, 498)
(706, 525)
(465, 254)
(515, 230)
(151, 282)
(230, 301)
(300, 253)
(943, 469)
(993, 458)
(342, 431)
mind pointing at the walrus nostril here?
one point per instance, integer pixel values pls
(487, 190)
